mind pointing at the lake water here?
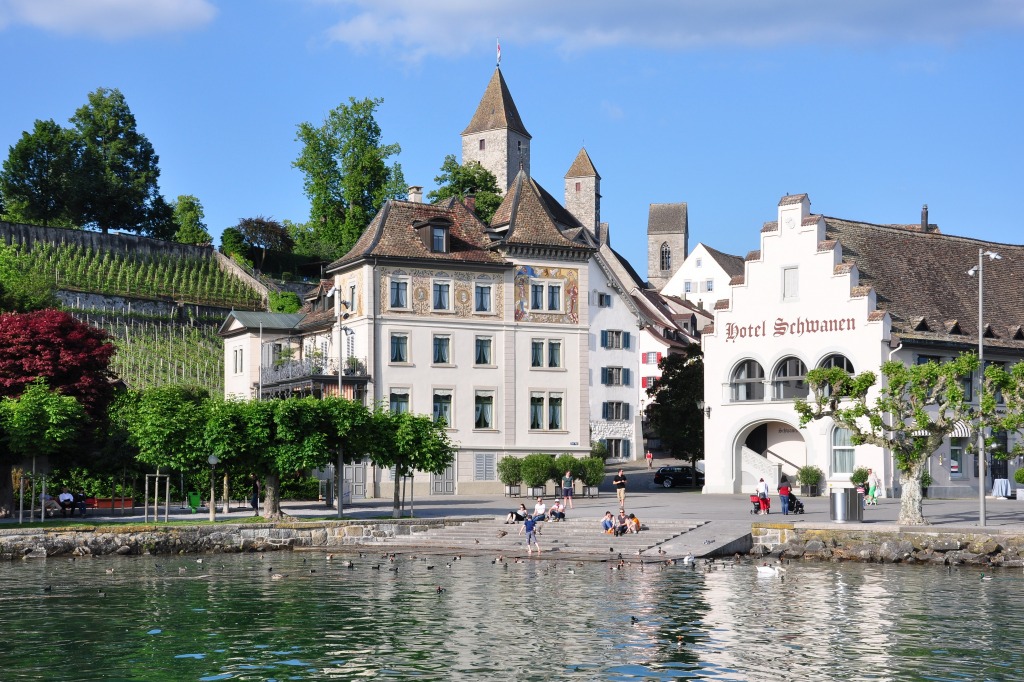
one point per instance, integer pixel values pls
(170, 618)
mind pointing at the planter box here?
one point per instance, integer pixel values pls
(809, 491)
(538, 491)
(513, 491)
(590, 491)
(1020, 493)
(110, 503)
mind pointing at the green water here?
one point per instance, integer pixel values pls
(170, 618)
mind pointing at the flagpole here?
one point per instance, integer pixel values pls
(499, 53)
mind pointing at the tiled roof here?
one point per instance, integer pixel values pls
(582, 166)
(754, 255)
(391, 234)
(534, 217)
(722, 304)
(922, 277)
(770, 226)
(826, 245)
(733, 265)
(496, 109)
(736, 280)
(792, 199)
(666, 218)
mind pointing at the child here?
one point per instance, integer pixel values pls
(531, 536)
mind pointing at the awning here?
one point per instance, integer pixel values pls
(961, 430)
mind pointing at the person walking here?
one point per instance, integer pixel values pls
(650, 459)
(784, 494)
(873, 484)
(531, 535)
(762, 496)
(620, 487)
(567, 488)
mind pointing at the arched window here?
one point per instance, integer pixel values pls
(747, 381)
(666, 257)
(790, 379)
(842, 451)
(835, 360)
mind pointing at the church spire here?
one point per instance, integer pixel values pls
(496, 137)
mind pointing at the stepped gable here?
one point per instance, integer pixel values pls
(530, 216)
(582, 167)
(392, 234)
(921, 280)
(496, 110)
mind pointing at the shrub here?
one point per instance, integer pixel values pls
(284, 302)
(859, 476)
(305, 488)
(565, 462)
(599, 449)
(538, 469)
(809, 475)
(926, 480)
(510, 470)
(591, 470)
(1018, 476)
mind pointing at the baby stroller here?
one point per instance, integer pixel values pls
(756, 502)
(795, 505)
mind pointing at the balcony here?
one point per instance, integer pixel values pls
(285, 372)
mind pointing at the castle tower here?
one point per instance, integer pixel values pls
(583, 193)
(496, 136)
(667, 232)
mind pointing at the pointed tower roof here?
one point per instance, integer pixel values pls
(529, 215)
(582, 166)
(496, 110)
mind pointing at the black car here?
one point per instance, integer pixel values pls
(677, 476)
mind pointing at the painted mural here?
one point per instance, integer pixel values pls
(420, 284)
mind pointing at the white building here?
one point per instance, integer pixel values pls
(825, 291)
(702, 277)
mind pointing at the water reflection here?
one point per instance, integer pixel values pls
(157, 618)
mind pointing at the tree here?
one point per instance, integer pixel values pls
(347, 178)
(121, 168)
(22, 289)
(72, 356)
(284, 302)
(232, 242)
(263, 234)
(673, 412)
(409, 443)
(167, 426)
(460, 181)
(42, 176)
(909, 415)
(188, 216)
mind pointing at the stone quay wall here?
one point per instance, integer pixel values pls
(990, 548)
(137, 539)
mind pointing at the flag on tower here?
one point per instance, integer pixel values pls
(499, 51)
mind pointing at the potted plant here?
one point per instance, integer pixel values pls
(1018, 478)
(859, 478)
(565, 462)
(810, 478)
(510, 472)
(537, 470)
(591, 473)
(926, 480)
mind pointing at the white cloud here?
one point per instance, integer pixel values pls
(413, 28)
(107, 19)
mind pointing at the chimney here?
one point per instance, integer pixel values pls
(924, 218)
(416, 194)
(470, 202)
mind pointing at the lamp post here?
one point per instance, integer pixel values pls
(980, 269)
(212, 459)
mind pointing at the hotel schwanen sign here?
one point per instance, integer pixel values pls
(788, 327)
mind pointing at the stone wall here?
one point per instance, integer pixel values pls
(894, 544)
(17, 233)
(123, 305)
(136, 539)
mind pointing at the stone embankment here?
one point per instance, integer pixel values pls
(894, 544)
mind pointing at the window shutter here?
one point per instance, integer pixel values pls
(625, 339)
(625, 448)
(481, 467)
(625, 411)
(604, 376)
(604, 338)
(659, 357)
(625, 376)
(604, 410)
(643, 382)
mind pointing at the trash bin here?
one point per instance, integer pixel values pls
(846, 505)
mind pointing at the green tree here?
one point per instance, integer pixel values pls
(42, 176)
(284, 302)
(167, 426)
(673, 412)
(347, 178)
(232, 242)
(188, 216)
(121, 167)
(22, 289)
(460, 181)
(264, 234)
(909, 415)
(409, 443)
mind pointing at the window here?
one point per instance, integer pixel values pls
(652, 358)
(443, 407)
(399, 401)
(482, 298)
(441, 300)
(837, 360)
(554, 297)
(614, 338)
(555, 412)
(537, 411)
(536, 353)
(688, 286)
(554, 353)
(536, 297)
(925, 359)
(399, 348)
(613, 410)
(549, 404)
(709, 285)
(615, 376)
(483, 467)
(483, 410)
(666, 257)
(967, 383)
(842, 451)
(957, 448)
(698, 262)
(439, 238)
(647, 382)
(483, 350)
(483, 144)
(239, 357)
(790, 280)
(604, 300)
(617, 447)
(747, 382)
(399, 294)
(442, 350)
(579, 186)
(790, 380)
(352, 298)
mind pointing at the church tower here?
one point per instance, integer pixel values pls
(667, 232)
(583, 193)
(496, 136)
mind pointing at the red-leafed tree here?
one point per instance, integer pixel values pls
(72, 356)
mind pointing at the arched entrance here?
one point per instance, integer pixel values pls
(768, 449)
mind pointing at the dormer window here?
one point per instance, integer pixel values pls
(435, 234)
(439, 238)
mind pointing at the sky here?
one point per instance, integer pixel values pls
(872, 107)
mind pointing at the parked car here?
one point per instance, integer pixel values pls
(677, 476)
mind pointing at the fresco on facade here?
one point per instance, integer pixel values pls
(461, 294)
(569, 279)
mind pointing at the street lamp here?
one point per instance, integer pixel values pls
(212, 459)
(980, 269)
(706, 409)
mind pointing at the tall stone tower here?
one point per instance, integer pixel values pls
(496, 136)
(583, 193)
(667, 232)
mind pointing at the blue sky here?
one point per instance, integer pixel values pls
(872, 107)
